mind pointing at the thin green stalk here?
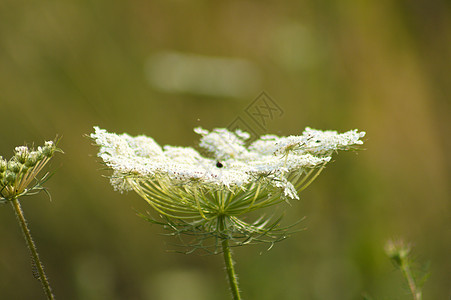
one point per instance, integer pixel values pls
(34, 252)
(233, 280)
(416, 292)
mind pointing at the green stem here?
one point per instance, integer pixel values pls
(233, 281)
(416, 292)
(32, 247)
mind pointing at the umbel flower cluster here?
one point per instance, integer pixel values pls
(210, 195)
(18, 174)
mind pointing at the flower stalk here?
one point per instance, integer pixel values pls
(19, 177)
(414, 289)
(32, 247)
(233, 279)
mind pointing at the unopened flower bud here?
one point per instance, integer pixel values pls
(21, 154)
(33, 159)
(10, 177)
(19, 175)
(14, 166)
(397, 251)
(48, 149)
(3, 164)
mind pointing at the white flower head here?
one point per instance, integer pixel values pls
(211, 193)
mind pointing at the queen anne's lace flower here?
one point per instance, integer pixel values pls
(210, 195)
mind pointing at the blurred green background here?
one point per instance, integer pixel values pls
(156, 68)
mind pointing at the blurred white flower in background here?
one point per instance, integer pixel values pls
(176, 72)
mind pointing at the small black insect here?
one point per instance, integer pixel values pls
(219, 165)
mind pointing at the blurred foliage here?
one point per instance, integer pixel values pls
(380, 66)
